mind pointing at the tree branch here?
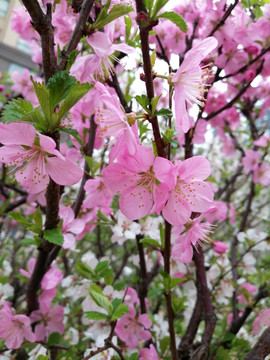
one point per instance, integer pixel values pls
(262, 347)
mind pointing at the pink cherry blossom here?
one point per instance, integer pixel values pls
(35, 158)
(70, 226)
(23, 85)
(219, 247)
(97, 194)
(263, 319)
(135, 178)
(132, 328)
(50, 320)
(147, 354)
(261, 174)
(189, 80)
(250, 289)
(190, 193)
(251, 160)
(193, 233)
(14, 328)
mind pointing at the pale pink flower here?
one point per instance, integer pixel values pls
(263, 141)
(35, 158)
(250, 289)
(261, 174)
(190, 193)
(21, 24)
(23, 85)
(251, 160)
(193, 233)
(14, 328)
(70, 226)
(219, 247)
(113, 121)
(132, 328)
(263, 319)
(147, 354)
(190, 80)
(97, 194)
(49, 321)
(218, 212)
(98, 63)
(135, 178)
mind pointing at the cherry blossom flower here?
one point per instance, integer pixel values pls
(14, 328)
(134, 177)
(219, 247)
(146, 354)
(190, 80)
(132, 328)
(50, 320)
(97, 194)
(35, 158)
(261, 174)
(23, 85)
(70, 227)
(251, 160)
(190, 193)
(263, 319)
(124, 229)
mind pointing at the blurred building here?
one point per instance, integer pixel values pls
(15, 53)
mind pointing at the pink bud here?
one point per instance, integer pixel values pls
(219, 247)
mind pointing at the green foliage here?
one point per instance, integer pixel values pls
(72, 132)
(119, 311)
(26, 223)
(144, 101)
(167, 113)
(150, 243)
(53, 339)
(155, 6)
(101, 300)
(95, 315)
(106, 17)
(176, 19)
(54, 236)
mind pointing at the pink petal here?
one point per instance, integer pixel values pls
(197, 167)
(176, 212)
(17, 133)
(136, 202)
(63, 172)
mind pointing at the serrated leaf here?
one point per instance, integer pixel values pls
(84, 270)
(28, 241)
(74, 95)
(43, 96)
(116, 12)
(15, 109)
(72, 132)
(157, 7)
(144, 101)
(95, 288)
(23, 221)
(101, 301)
(128, 23)
(154, 102)
(121, 310)
(95, 315)
(175, 281)
(42, 357)
(167, 113)
(72, 58)
(53, 339)
(54, 236)
(108, 277)
(176, 19)
(37, 217)
(101, 267)
(59, 85)
(116, 302)
(153, 57)
(150, 242)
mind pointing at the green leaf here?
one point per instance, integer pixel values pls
(42, 357)
(116, 302)
(101, 267)
(28, 241)
(150, 242)
(134, 356)
(54, 236)
(154, 102)
(116, 12)
(175, 281)
(74, 95)
(157, 7)
(167, 113)
(72, 132)
(101, 301)
(102, 217)
(144, 101)
(95, 315)
(84, 270)
(15, 109)
(153, 57)
(128, 23)
(37, 217)
(23, 221)
(43, 96)
(176, 19)
(53, 338)
(59, 85)
(108, 277)
(72, 58)
(120, 311)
